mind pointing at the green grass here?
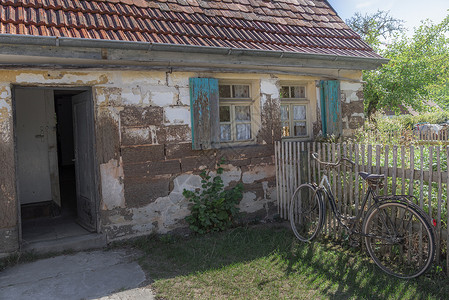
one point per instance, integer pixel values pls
(269, 263)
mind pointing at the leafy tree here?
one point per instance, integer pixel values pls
(419, 65)
(373, 28)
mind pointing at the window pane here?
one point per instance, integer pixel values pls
(225, 114)
(284, 112)
(300, 128)
(243, 132)
(298, 92)
(284, 92)
(240, 91)
(242, 113)
(285, 129)
(225, 132)
(299, 112)
(224, 91)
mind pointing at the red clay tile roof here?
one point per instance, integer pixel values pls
(301, 26)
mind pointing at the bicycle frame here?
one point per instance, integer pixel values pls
(326, 188)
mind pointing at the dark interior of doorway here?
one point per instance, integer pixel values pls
(47, 221)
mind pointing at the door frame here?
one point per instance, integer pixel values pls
(96, 174)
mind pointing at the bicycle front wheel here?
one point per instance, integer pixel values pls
(306, 212)
(399, 239)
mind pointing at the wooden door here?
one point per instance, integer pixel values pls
(37, 154)
(83, 134)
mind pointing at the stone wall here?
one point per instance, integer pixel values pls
(158, 163)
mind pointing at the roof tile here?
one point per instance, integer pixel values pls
(309, 26)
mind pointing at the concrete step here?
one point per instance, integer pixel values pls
(75, 243)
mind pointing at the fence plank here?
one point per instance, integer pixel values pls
(277, 164)
(404, 166)
(430, 180)
(357, 189)
(362, 169)
(284, 163)
(395, 167)
(378, 151)
(421, 178)
(345, 187)
(447, 212)
(351, 180)
(290, 177)
(386, 168)
(439, 204)
(330, 152)
(412, 170)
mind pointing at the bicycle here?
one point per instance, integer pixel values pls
(398, 234)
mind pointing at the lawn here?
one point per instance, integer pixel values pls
(267, 262)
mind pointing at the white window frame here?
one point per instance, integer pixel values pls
(291, 102)
(232, 103)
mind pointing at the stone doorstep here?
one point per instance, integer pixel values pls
(75, 243)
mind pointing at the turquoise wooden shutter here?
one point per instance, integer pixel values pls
(330, 107)
(204, 113)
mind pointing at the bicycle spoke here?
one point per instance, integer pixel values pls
(306, 213)
(394, 243)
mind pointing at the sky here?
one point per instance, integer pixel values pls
(411, 11)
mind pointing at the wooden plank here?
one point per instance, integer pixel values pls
(404, 166)
(421, 178)
(294, 170)
(309, 161)
(386, 170)
(411, 177)
(439, 205)
(378, 153)
(277, 164)
(430, 180)
(395, 167)
(356, 191)
(362, 169)
(351, 181)
(344, 185)
(370, 165)
(204, 112)
(447, 207)
(289, 173)
(329, 158)
(283, 203)
(338, 192)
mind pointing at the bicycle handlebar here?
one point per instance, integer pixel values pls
(335, 164)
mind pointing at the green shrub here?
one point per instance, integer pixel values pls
(214, 208)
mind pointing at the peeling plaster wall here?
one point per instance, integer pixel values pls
(143, 143)
(8, 203)
(352, 107)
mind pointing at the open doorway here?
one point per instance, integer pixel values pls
(56, 180)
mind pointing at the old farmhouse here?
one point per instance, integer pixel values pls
(110, 108)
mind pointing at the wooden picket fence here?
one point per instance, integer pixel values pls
(424, 136)
(420, 171)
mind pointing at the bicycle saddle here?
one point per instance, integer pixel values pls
(371, 177)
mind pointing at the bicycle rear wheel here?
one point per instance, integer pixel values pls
(400, 240)
(306, 212)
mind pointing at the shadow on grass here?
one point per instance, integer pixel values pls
(337, 272)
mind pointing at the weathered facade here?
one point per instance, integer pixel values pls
(140, 133)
